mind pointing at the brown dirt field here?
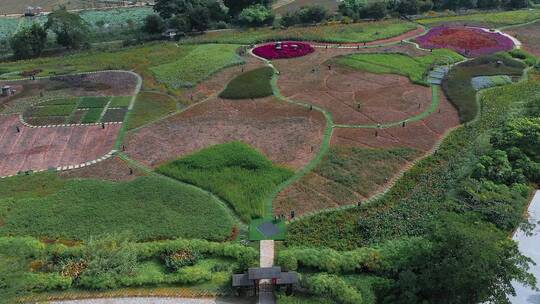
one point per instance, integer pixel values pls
(529, 35)
(352, 97)
(217, 82)
(43, 148)
(113, 169)
(315, 192)
(283, 132)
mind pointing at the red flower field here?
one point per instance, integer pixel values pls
(286, 49)
(467, 41)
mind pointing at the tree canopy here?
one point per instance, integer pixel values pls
(29, 41)
(70, 29)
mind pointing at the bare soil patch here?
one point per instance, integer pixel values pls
(352, 97)
(113, 169)
(529, 36)
(288, 135)
(44, 148)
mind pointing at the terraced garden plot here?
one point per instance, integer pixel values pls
(44, 148)
(113, 169)
(93, 102)
(234, 171)
(363, 161)
(288, 135)
(352, 97)
(150, 106)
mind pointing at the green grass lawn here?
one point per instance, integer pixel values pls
(120, 102)
(497, 19)
(252, 84)
(339, 33)
(93, 102)
(92, 115)
(43, 205)
(148, 107)
(234, 171)
(197, 65)
(416, 68)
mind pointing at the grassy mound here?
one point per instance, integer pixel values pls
(416, 68)
(458, 83)
(43, 205)
(252, 84)
(234, 171)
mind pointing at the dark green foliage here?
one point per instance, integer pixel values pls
(236, 6)
(154, 24)
(305, 15)
(28, 42)
(234, 171)
(457, 84)
(256, 15)
(252, 84)
(175, 260)
(70, 29)
(149, 207)
(187, 15)
(332, 286)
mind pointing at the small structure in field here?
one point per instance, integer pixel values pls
(7, 90)
(33, 11)
(170, 33)
(256, 277)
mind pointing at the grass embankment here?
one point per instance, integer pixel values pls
(497, 19)
(458, 86)
(234, 171)
(415, 68)
(422, 193)
(44, 205)
(338, 33)
(252, 84)
(197, 65)
(148, 107)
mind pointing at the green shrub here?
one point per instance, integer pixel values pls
(178, 259)
(252, 84)
(38, 282)
(234, 171)
(332, 286)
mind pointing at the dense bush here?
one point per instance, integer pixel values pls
(175, 260)
(332, 286)
(28, 42)
(256, 15)
(305, 15)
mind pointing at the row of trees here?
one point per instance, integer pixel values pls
(70, 31)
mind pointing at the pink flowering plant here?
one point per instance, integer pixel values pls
(467, 41)
(285, 49)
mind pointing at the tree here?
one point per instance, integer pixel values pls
(522, 133)
(154, 24)
(70, 29)
(312, 14)
(469, 262)
(408, 7)
(517, 4)
(376, 10)
(237, 6)
(256, 15)
(199, 18)
(352, 8)
(28, 42)
(289, 19)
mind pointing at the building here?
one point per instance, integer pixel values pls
(256, 277)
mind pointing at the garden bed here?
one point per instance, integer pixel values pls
(281, 50)
(467, 41)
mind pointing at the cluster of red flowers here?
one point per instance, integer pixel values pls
(467, 41)
(286, 49)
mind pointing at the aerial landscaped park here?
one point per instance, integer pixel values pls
(284, 152)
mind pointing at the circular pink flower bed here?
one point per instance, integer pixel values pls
(467, 41)
(285, 49)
